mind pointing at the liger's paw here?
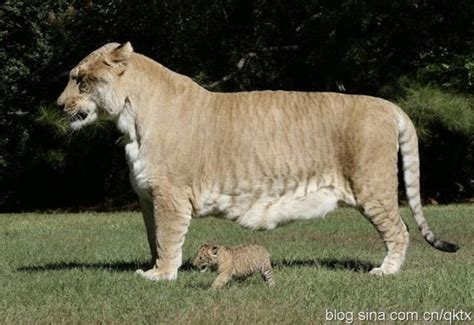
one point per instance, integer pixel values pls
(377, 271)
(382, 271)
(157, 274)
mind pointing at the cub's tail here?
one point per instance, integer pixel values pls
(408, 142)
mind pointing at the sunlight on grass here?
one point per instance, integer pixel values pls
(80, 268)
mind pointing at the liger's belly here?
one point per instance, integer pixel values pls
(266, 210)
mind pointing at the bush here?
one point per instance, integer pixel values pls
(431, 108)
(445, 125)
(351, 46)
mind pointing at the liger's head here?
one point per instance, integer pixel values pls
(95, 87)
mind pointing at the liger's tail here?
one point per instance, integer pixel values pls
(408, 142)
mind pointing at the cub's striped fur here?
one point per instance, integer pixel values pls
(260, 158)
(236, 261)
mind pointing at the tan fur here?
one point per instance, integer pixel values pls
(260, 158)
(232, 262)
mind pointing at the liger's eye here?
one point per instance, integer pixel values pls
(82, 86)
(77, 78)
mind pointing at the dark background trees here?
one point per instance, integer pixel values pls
(417, 53)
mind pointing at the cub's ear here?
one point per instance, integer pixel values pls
(120, 55)
(212, 250)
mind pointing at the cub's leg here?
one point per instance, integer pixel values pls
(221, 280)
(172, 216)
(267, 274)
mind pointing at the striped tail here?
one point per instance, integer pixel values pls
(408, 141)
(268, 276)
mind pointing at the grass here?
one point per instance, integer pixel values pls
(80, 268)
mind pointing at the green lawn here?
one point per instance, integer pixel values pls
(80, 268)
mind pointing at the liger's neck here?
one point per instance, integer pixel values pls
(149, 84)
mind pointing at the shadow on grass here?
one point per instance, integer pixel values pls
(114, 267)
(333, 264)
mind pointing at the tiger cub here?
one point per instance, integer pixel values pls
(236, 261)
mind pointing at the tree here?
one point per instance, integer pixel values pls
(362, 46)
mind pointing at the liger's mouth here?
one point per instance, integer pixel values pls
(79, 116)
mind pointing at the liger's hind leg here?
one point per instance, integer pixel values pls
(386, 219)
(375, 186)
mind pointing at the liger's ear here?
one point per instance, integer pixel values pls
(125, 47)
(121, 54)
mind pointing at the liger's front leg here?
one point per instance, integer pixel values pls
(172, 218)
(147, 209)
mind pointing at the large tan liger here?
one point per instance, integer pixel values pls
(260, 158)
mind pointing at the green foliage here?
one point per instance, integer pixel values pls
(455, 72)
(445, 124)
(353, 46)
(430, 108)
(49, 116)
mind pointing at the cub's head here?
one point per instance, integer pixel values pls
(206, 257)
(96, 86)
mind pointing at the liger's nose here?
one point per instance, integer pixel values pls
(60, 103)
